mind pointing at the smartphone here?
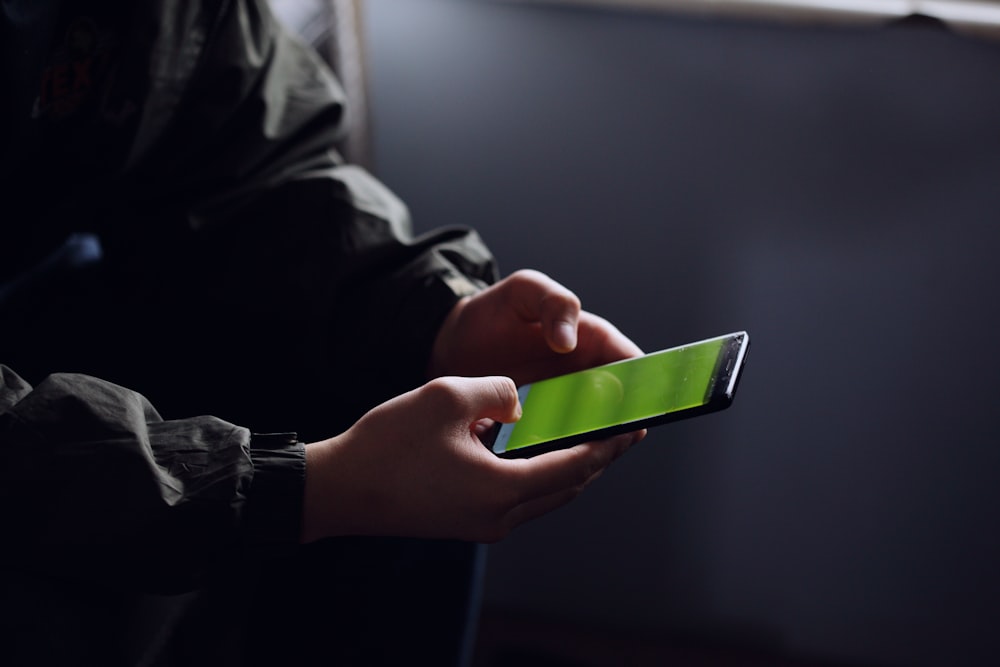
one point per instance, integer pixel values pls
(623, 396)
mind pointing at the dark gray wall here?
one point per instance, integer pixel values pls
(834, 191)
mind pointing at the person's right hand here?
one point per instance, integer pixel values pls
(415, 467)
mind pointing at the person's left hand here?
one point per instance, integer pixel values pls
(527, 327)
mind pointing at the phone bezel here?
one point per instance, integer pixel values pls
(721, 391)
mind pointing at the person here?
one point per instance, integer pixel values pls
(177, 221)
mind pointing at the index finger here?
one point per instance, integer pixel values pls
(566, 469)
(604, 339)
(538, 298)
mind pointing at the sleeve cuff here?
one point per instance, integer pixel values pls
(273, 516)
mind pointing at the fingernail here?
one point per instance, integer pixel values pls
(566, 335)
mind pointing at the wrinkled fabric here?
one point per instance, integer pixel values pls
(230, 206)
(95, 487)
(245, 272)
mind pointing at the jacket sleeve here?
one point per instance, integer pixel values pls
(95, 487)
(236, 148)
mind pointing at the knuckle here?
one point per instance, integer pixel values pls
(558, 302)
(506, 390)
(569, 299)
(444, 391)
(561, 306)
(527, 275)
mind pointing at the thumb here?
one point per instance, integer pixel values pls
(492, 397)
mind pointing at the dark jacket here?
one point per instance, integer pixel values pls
(246, 272)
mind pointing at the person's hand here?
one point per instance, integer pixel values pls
(415, 467)
(527, 327)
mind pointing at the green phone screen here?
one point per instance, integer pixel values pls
(625, 391)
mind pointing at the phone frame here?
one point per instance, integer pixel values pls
(725, 380)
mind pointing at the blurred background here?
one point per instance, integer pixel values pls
(833, 187)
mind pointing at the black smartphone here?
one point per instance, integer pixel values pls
(623, 396)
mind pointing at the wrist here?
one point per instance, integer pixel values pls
(315, 503)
